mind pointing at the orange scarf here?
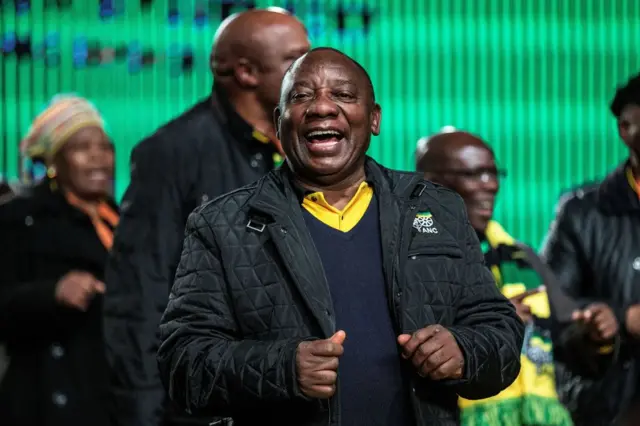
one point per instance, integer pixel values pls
(102, 216)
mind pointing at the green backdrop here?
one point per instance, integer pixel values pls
(533, 77)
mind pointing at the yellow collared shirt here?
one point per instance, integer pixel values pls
(343, 220)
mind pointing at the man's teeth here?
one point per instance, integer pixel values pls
(323, 133)
(97, 175)
(485, 204)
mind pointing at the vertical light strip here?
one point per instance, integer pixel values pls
(4, 102)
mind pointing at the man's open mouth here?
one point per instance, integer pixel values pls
(98, 175)
(323, 136)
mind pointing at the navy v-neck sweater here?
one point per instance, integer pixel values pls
(372, 391)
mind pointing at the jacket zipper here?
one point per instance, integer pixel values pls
(399, 261)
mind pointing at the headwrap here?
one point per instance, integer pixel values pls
(64, 116)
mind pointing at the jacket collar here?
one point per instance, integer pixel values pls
(615, 195)
(230, 119)
(277, 191)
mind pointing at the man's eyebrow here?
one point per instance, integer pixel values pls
(337, 82)
(344, 82)
(301, 84)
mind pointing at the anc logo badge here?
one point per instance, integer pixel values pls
(423, 223)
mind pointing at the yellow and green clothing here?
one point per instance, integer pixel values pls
(278, 157)
(531, 399)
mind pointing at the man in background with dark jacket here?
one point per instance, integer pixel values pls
(593, 250)
(335, 291)
(222, 143)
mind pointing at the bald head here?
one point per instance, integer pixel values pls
(251, 52)
(443, 148)
(249, 38)
(464, 163)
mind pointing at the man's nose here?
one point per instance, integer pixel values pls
(322, 106)
(96, 154)
(489, 182)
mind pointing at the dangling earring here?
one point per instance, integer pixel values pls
(51, 174)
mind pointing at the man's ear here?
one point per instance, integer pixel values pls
(246, 73)
(376, 117)
(623, 129)
(277, 115)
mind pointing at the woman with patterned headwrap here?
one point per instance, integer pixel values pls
(55, 241)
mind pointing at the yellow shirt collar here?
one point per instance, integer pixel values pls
(343, 220)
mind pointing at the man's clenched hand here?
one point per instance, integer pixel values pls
(600, 320)
(317, 365)
(434, 352)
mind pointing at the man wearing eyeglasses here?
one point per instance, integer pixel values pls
(464, 163)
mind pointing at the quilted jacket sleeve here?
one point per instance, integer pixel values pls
(138, 278)
(204, 363)
(563, 252)
(487, 329)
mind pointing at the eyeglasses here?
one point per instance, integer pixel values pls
(482, 175)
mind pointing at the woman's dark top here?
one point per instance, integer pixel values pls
(57, 369)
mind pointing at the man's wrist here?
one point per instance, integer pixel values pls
(631, 320)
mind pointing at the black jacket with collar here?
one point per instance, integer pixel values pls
(250, 287)
(593, 250)
(206, 152)
(57, 372)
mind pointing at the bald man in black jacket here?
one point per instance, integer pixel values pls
(224, 142)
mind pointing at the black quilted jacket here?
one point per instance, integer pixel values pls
(250, 287)
(593, 250)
